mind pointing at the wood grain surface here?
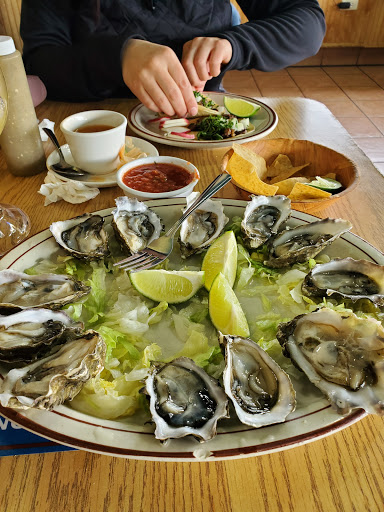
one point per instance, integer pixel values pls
(342, 472)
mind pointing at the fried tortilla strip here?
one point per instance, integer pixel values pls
(245, 175)
(330, 175)
(286, 186)
(282, 169)
(300, 192)
(255, 160)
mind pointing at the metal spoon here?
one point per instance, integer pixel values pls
(62, 167)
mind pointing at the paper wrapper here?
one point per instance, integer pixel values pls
(54, 189)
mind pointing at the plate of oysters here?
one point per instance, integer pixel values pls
(89, 361)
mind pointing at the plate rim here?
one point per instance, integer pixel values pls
(154, 137)
(17, 416)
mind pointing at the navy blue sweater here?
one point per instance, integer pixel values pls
(76, 49)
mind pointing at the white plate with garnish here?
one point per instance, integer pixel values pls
(135, 147)
(140, 120)
(132, 436)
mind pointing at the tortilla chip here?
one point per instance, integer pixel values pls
(287, 174)
(252, 158)
(280, 164)
(286, 186)
(245, 175)
(330, 175)
(301, 192)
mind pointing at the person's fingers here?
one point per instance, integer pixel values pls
(173, 93)
(188, 65)
(200, 61)
(185, 89)
(215, 60)
(145, 98)
(159, 98)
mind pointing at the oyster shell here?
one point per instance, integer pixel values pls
(83, 237)
(56, 378)
(135, 224)
(20, 291)
(184, 400)
(202, 227)
(28, 334)
(341, 354)
(301, 243)
(261, 392)
(349, 278)
(264, 217)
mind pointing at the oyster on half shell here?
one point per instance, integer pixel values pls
(341, 354)
(261, 392)
(301, 243)
(349, 278)
(48, 382)
(264, 217)
(20, 291)
(184, 400)
(83, 237)
(135, 225)
(28, 334)
(202, 227)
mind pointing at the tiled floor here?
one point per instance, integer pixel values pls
(355, 95)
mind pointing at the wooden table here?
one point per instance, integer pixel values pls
(343, 472)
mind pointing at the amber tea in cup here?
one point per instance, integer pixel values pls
(93, 128)
(95, 138)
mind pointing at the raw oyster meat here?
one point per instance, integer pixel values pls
(25, 335)
(184, 400)
(299, 244)
(202, 227)
(261, 392)
(48, 382)
(83, 237)
(135, 224)
(349, 278)
(264, 217)
(20, 291)
(341, 354)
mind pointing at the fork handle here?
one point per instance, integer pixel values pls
(215, 186)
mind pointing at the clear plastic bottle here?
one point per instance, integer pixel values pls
(20, 140)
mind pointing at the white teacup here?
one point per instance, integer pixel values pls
(96, 149)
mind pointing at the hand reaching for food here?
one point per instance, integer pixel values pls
(156, 77)
(203, 57)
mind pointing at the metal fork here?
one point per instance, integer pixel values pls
(160, 249)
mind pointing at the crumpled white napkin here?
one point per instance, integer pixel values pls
(45, 123)
(54, 189)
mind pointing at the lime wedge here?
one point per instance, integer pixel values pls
(240, 108)
(167, 285)
(221, 257)
(225, 309)
(326, 184)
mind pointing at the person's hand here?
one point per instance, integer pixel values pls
(156, 77)
(202, 59)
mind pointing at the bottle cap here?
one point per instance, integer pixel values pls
(7, 45)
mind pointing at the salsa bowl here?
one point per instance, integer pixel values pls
(148, 178)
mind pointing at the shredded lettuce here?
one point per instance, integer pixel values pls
(138, 331)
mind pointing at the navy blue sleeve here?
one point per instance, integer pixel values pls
(279, 33)
(71, 71)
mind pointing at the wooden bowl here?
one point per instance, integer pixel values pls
(322, 160)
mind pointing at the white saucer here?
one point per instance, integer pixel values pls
(100, 180)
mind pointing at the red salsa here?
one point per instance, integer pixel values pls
(157, 177)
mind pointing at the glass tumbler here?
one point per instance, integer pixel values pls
(14, 227)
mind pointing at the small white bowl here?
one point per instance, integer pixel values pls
(181, 192)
